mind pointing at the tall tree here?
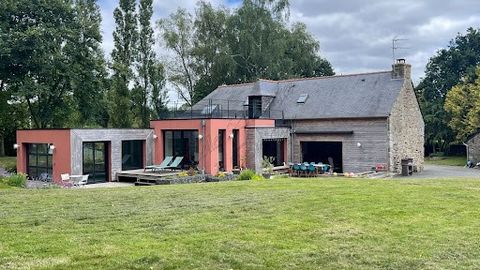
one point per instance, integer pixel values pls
(88, 65)
(35, 36)
(177, 33)
(214, 62)
(145, 64)
(443, 71)
(159, 98)
(252, 42)
(125, 38)
(463, 105)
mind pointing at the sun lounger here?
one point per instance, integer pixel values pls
(175, 164)
(161, 166)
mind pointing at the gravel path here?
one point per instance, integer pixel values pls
(442, 171)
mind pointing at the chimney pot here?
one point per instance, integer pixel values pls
(401, 70)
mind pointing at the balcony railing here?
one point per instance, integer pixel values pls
(222, 109)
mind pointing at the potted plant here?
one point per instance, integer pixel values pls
(267, 166)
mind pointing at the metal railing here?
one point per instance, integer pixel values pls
(222, 109)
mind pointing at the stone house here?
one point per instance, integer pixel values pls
(473, 147)
(357, 120)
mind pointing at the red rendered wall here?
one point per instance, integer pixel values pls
(209, 143)
(60, 138)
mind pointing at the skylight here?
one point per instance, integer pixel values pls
(302, 98)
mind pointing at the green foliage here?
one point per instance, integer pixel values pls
(463, 105)
(50, 59)
(257, 177)
(148, 92)
(177, 31)
(123, 56)
(15, 180)
(267, 164)
(222, 47)
(445, 70)
(246, 175)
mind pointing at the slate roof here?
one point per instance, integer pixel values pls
(343, 96)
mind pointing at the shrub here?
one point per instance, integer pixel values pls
(16, 180)
(220, 174)
(257, 177)
(246, 175)
(183, 174)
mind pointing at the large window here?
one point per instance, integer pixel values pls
(95, 161)
(221, 149)
(132, 155)
(39, 161)
(182, 143)
(254, 106)
(274, 149)
(235, 149)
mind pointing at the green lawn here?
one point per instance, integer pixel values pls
(8, 162)
(447, 160)
(274, 224)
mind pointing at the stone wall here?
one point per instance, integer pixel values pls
(406, 130)
(474, 148)
(371, 133)
(255, 137)
(115, 138)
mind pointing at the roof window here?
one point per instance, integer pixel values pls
(302, 98)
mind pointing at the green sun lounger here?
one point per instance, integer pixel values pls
(161, 166)
(175, 164)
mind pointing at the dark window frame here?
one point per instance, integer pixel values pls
(235, 150)
(142, 154)
(182, 136)
(47, 168)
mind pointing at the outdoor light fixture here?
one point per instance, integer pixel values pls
(15, 146)
(200, 136)
(155, 136)
(231, 135)
(51, 147)
(359, 144)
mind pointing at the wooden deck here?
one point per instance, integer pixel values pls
(146, 177)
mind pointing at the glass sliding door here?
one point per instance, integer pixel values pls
(221, 152)
(181, 143)
(95, 161)
(39, 161)
(235, 149)
(132, 155)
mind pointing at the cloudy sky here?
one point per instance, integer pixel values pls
(356, 35)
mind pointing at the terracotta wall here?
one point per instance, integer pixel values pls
(208, 144)
(60, 138)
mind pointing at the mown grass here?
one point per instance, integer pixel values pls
(8, 162)
(274, 224)
(447, 160)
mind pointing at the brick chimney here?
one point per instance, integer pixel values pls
(401, 70)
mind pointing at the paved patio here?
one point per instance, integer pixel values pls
(109, 185)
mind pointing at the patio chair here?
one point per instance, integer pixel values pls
(66, 182)
(82, 181)
(303, 169)
(312, 171)
(175, 164)
(330, 161)
(161, 166)
(296, 169)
